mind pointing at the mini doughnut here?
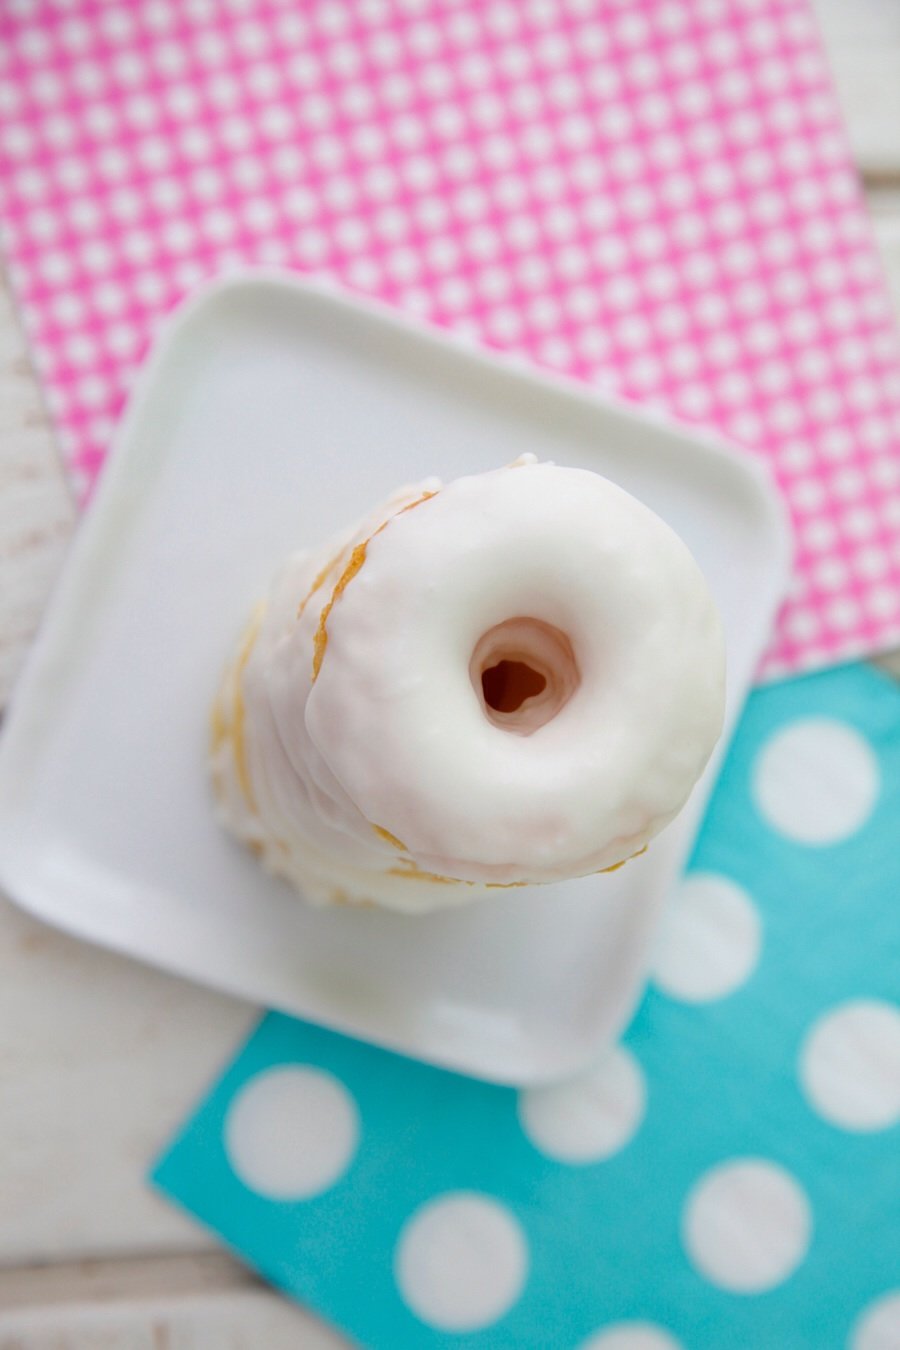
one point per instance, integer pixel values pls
(513, 679)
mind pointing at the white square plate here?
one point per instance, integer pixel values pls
(272, 412)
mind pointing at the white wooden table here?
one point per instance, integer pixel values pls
(88, 1256)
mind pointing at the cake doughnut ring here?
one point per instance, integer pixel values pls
(513, 679)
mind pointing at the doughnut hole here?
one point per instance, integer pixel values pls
(523, 671)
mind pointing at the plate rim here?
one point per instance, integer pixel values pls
(92, 534)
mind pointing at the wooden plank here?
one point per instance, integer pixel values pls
(36, 509)
(101, 1058)
(885, 211)
(862, 23)
(862, 41)
(190, 1302)
(122, 1279)
(198, 1302)
(228, 1321)
(884, 208)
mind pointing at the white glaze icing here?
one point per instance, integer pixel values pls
(354, 747)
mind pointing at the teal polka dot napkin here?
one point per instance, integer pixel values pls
(726, 1177)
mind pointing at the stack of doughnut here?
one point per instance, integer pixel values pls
(512, 679)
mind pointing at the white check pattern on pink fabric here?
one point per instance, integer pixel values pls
(652, 195)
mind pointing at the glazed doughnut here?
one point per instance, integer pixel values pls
(513, 679)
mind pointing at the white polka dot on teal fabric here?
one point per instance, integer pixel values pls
(878, 1326)
(631, 1336)
(850, 1065)
(588, 1118)
(461, 1261)
(291, 1132)
(816, 781)
(747, 1225)
(753, 1105)
(709, 939)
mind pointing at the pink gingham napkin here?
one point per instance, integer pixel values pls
(652, 195)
